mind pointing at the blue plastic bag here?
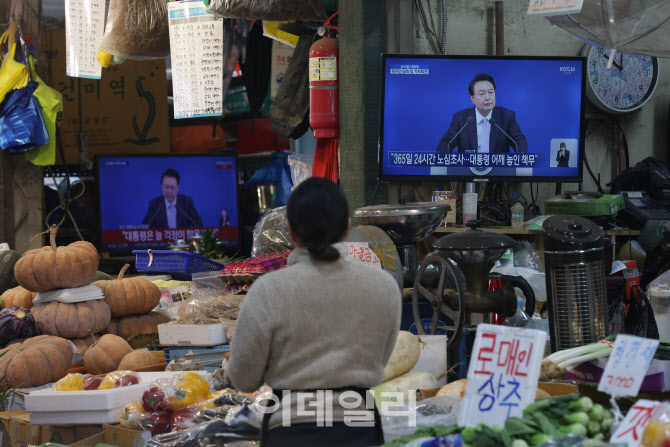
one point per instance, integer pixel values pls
(278, 172)
(21, 123)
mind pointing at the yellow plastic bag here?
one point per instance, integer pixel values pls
(51, 102)
(13, 75)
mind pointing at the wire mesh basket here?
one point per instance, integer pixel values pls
(173, 262)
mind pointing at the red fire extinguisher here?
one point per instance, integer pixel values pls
(324, 89)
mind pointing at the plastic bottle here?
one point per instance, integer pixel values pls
(517, 215)
(469, 203)
(520, 318)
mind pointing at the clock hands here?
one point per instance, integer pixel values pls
(617, 66)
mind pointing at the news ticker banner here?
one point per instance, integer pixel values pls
(462, 159)
(162, 235)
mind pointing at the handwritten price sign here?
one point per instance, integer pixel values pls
(360, 252)
(503, 374)
(630, 430)
(627, 365)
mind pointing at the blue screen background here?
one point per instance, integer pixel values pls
(127, 186)
(418, 109)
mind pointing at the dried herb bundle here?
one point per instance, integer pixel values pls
(137, 29)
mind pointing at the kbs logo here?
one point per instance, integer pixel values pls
(568, 70)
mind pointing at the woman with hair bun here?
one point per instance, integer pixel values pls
(322, 324)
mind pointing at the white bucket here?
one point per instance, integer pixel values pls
(433, 357)
(659, 298)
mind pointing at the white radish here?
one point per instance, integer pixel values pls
(404, 356)
(405, 384)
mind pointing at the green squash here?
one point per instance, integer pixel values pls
(7, 260)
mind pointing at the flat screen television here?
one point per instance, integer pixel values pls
(429, 127)
(150, 201)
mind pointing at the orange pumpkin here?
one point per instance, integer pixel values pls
(138, 359)
(18, 296)
(36, 361)
(129, 296)
(105, 354)
(49, 268)
(131, 325)
(82, 344)
(71, 320)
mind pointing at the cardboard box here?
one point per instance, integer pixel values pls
(16, 430)
(656, 380)
(607, 205)
(125, 111)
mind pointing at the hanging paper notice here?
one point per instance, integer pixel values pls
(554, 7)
(503, 374)
(630, 430)
(84, 26)
(196, 47)
(627, 365)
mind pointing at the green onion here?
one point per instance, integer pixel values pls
(560, 362)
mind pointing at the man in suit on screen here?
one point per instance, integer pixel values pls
(484, 127)
(172, 210)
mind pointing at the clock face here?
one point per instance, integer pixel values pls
(624, 87)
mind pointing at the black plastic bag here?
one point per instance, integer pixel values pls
(640, 318)
(650, 175)
(272, 10)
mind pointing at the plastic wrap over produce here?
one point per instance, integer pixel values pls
(137, 29)
(271, 233)
(241, 423)
(272, 10)
(440, 410)
(301, 168)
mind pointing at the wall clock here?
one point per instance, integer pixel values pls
(625, 87)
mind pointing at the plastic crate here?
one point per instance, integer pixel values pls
(210, 356)
(172, 261)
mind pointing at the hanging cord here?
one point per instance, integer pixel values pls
(444, 26)
(65, 202)
(432, 38)
(67, 199)
(586, 162)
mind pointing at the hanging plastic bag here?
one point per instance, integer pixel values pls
(21, 124)
(13, 74)
(272, 10)
(640, 318)
(136, 29)
(51, 103)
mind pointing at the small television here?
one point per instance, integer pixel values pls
(150, 201)
(429, 128)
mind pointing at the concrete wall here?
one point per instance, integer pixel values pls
(471, 30)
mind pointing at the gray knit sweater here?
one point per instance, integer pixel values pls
(316, 325)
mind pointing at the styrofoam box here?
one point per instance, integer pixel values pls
(174, 334)
(89, 407)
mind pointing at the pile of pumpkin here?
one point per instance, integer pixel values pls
(29, 360)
